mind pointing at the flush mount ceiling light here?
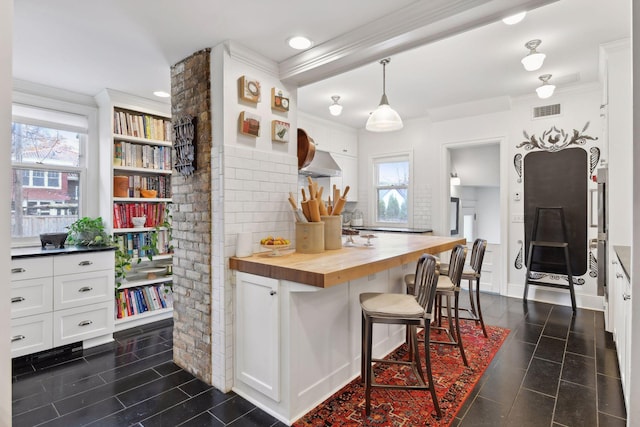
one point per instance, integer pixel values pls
(384, 118)
(335, 109)
(299, 42)
(533, 61)
(514, 19)
(546, 90)
(161, 94)
(455, 179)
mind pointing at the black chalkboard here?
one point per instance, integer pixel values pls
(557, 180)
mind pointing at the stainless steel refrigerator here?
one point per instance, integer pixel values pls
(603, 231)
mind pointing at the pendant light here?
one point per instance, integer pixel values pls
(533, 61)
(514, 19)
(455, 179)
(335, 109)
(546, 90)
(384, 118)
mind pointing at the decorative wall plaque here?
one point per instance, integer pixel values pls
(249, 89)
(279, 99)
(280, 131)
(185, 133)
(249, 124)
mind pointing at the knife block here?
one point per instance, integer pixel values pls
(310, 237)
(332, 231)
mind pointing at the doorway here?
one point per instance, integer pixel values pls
(477, 164)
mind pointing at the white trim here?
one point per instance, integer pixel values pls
(244, 55)
(556, 296)
(373, 209)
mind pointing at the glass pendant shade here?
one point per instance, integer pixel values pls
(384, 118)
(514, 19)
(534, 60)
(547, 89)
(455, 179)
(335, 109)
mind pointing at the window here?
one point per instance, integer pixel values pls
(392, 190)
(48, 168)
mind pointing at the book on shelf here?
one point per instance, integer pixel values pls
(123, 212)
(139, 244)
(156, 157)
(142, 299)
(141, 125)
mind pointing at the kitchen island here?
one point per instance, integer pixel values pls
(297, 318)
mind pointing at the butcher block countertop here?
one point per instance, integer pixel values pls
(337, 266)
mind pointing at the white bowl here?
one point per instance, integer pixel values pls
(138, 221)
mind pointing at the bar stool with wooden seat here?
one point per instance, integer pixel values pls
(472, 275)
(448, 286)
(413, 310)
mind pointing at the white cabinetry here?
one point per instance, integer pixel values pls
(61, 299)
(136, 150)
(258, 334)
(620, 300)
(349, 166)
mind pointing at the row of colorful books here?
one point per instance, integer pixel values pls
(160, 183)
(123, 212)
(132, 301)
(143, 244)
(141, 125)
(156, 157)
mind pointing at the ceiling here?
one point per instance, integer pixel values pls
(129, 46)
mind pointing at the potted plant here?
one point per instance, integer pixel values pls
(88, 231)
(122, 266)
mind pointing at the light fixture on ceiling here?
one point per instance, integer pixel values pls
(299, 42)
(455, 179)
(335, 109)
(384, 118)
(514, 19)
(546, 90)
(533, 61)
(161, 94)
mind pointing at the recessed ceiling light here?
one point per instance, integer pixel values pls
(514, 19)
(299, 42)
(161, 94)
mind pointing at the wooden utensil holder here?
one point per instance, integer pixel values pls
(332, 231)
(310, 237)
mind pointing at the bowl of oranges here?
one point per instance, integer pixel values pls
(275, 244)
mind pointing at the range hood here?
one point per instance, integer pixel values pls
(322, 165)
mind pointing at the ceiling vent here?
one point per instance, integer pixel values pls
(546, 111)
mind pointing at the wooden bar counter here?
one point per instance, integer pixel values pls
(340, 265)
(297, 317)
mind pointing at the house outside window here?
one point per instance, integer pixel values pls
(48, 170)
(392, 181)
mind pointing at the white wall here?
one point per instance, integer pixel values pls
(488, 213)
(6, 29)
(430, 140)
(478, 166)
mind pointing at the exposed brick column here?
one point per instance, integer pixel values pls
(191, 94)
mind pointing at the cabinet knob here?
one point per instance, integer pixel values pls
(17, 338)
(272, 293)
(17, 299)
(85, 289)
(18, 270)
(85, 323)
(84, 263)
(618, 276)
(626, 297)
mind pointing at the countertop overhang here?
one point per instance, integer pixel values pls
(333, 267)
(36, 251)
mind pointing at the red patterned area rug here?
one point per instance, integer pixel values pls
(410, 408)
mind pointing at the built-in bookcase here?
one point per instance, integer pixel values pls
(136, 168)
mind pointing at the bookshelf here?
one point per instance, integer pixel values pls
(136, 169)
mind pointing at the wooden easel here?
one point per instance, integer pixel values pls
(549, 265)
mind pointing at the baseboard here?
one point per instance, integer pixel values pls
(556, 296)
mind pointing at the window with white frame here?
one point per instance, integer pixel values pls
(392, 180)
(48, 170)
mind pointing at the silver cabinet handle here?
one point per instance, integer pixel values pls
(18, 270)
(272, 293)
(85, 323)
(618, 276)
(85, 289)
(17, 338)
(626, 297)
(17, 299)
(84, 263)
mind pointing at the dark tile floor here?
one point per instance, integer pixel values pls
(554, 369)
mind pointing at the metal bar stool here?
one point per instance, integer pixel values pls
(449, 286)
(413, 310)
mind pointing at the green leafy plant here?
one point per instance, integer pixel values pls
(151, 247)
(88, 231)
(123, 265)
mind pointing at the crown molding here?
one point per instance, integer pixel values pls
(251, 58)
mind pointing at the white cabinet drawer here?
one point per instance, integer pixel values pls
(81, 323)
(30, 268)
(31, 334)
(32, 296)
(74, 290)
(81, 263)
